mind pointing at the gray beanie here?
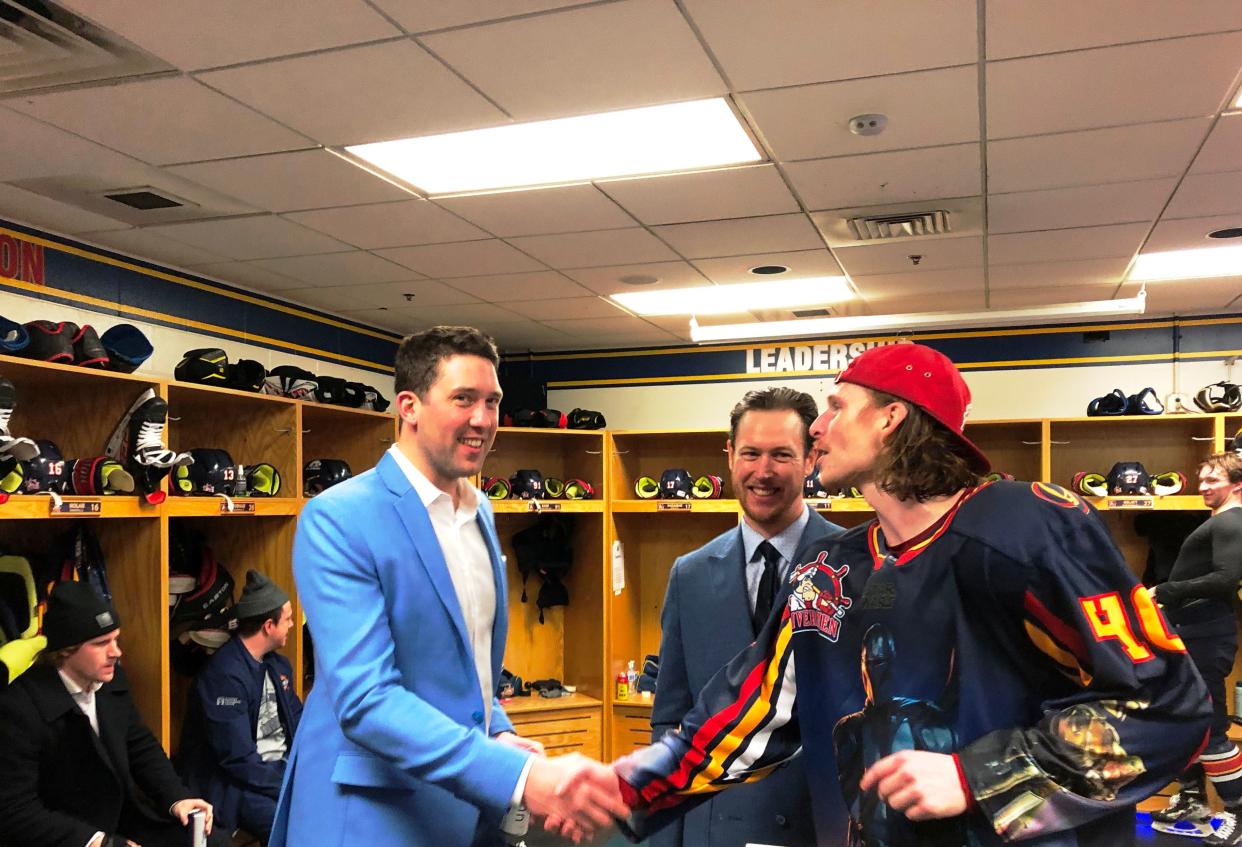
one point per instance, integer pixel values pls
(259, 597)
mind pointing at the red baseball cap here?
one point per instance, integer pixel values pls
(924, 377)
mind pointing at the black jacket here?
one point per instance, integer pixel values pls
(218, 757)
(60, 783)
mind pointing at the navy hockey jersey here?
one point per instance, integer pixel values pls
(1014, 636)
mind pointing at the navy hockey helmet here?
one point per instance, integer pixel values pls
(321, 474)
(676, 484)
(213, 472)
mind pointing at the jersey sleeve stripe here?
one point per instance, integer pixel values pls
(722, 733)
(1064, 634)
(1065, 660)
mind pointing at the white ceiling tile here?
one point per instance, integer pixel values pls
(775, 233)
(285, 182)
(747, 191)
(608, 280)
(622, 329)
(1223, 149)
(902, 176)
(1188, 233)
(1097, 242)
(37, 210)
(388, 295)
(567, 308)
(469, 314)
(262, 237)
(1081, 272)
(191, 34)
(588, 249)
(1178, 297)
(924, 109)
(247, 275)
(319, 95)
(529, 336)
(1047, 94)
(677, 325)
(471, 258)
(802, 263)
(401, 224)
(571, 208)
(1201, 195)
(335, 269)
(1095, 156)
(1084, 205)
(934, 254)
(30, 148)
(1022, 28)
(423, 15)
(916, 284)
(935, 301)
(797, 41)
(145, 244)
(1021, 298)
(379, 318)
(173, 119)
(591, 59)
(507, 288)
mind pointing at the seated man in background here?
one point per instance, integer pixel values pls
(243, 713)
(719, 597)
(79, 767)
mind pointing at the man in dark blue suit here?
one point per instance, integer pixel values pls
(720, 595)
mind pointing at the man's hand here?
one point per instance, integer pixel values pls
(920, 785)
(514, 740)
(575, 795)
(181, 810)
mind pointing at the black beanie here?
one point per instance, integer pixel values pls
(76, 614)
(259, 597)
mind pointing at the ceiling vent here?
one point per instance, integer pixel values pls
(908, 225)
(144, 199)
(950, 217)
(43, 45)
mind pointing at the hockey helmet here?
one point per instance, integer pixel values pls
(1129, 478)
(812, 488)
(527, 485)
(321, 474)
(211, 473)
(676, 484)
(45, 473)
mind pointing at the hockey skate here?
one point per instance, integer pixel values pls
(1227, 833)
(138, 444)
(1187, 815)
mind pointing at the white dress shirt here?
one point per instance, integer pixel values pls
(469, 566)
(84, 697)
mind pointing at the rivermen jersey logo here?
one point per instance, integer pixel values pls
(818, 602)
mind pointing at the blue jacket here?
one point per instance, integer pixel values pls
(391, 749)
(705, 622)
(217, 758)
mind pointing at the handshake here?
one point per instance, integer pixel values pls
(575, 796)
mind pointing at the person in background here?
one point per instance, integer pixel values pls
(80, 769)
(719, 597)
(243, 714)
(399, 570)
(1009, 618)
(1198, 600)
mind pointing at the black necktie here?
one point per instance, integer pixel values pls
(767, 585)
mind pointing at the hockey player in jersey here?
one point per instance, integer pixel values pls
(1198, 599)
(1073, 698)
(886, 724)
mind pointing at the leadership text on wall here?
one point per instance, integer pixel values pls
(21, 259)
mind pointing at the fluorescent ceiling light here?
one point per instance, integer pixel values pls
(1237, 104)
(654, 139)
(927, 320)
(744, 297)
(1188, 264)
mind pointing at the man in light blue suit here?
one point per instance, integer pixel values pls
(718, 598)
(402, 741)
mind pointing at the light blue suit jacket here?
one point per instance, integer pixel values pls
(391, 748)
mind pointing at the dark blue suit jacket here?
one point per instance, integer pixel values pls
(706, 622)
